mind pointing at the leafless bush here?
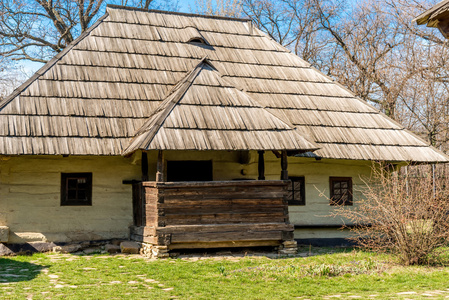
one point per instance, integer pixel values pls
(403, 214)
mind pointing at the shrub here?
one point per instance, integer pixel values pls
(402, 214)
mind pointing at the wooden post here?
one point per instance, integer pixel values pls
(261, 165)
(284, 172)
(144, 166)
(160, 166)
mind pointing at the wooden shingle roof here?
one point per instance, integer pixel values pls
(431, 16)
(97, 94)
(205, 112)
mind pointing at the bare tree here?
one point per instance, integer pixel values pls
(292, 23)
(371, 47)
(36, 30)
(226, 8)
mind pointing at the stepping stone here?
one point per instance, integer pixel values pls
(406, 293)
(110, 248)
(129, 247)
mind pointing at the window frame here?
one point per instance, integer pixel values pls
(302, 191)
(333, 202)
(64, 189)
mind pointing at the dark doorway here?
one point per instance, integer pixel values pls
(189, 170)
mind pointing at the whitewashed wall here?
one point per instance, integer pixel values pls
(30, 198)
(30, 192)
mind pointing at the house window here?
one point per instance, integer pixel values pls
(76, 189)
(341, 190)
(297, 191)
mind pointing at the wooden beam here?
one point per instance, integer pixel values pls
(261, 165)
(144, 166)
(160, 166)
(284, 164)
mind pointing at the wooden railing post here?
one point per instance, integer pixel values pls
(144, 166)
(261, 165)
(160, 166)
(284, 172)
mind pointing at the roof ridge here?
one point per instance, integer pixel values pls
(172, 98)
(115, 6)
(154, 123)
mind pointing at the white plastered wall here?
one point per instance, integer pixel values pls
(30, 192)
(30, 188)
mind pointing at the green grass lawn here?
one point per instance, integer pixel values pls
(347, 273)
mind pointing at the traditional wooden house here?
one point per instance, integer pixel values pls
(436, 16)
(186, 131)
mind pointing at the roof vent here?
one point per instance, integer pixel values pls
(192, 35)
(198, 40)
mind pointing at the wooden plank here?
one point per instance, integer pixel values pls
(222, 195)
(192, 184)
(228, 244)
(226, 236)
(226, 227)
(225, 215)
(223, 203)
(207, 210)
(199, 220)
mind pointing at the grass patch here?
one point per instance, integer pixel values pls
(346, 272)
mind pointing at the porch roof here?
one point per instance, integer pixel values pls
(206, 112)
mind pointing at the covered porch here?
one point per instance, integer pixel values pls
(202, 113)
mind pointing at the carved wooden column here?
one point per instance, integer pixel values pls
(261, 165)
(160, 166)
(284, 172)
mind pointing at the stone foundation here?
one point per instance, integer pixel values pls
(154, 251)
(288, 248)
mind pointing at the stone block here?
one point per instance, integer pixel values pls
(129, 247)
(5, 251)
(111, 248)
(42, 247)
(67, 248)
(290, 244)
(117, 242)
(94, 250)
(163, 255)
(4, 234)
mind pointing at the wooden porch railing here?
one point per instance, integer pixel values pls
(211, 214)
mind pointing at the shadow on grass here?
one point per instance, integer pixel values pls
(16, 271)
